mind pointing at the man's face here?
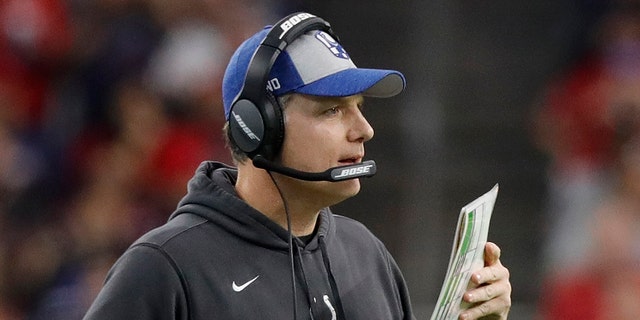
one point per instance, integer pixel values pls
(324, 132)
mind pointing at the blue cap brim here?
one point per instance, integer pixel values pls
(376, 83)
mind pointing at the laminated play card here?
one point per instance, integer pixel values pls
(467, 255)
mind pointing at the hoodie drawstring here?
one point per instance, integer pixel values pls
(304, 284)
(332, 281)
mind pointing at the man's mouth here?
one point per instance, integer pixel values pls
(351, 160)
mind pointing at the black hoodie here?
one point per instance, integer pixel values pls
(218, 258)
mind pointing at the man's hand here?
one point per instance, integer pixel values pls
(490, 294)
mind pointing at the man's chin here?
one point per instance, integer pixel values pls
(347, 188)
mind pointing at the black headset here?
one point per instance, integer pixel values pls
(256, 124)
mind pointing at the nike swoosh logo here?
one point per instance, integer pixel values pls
(238, 288)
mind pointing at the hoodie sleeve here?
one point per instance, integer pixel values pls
(143, 284)
(403, 290)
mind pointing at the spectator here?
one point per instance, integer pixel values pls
(578, 126)
(607, 279)
(608, 286)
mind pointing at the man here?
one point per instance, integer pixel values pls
(259, 241)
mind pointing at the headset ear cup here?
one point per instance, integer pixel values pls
(274, 124)
(246, 127)
(254, 132)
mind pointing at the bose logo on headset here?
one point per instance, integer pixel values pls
(244, 127)
(289, 23)
(345, 173)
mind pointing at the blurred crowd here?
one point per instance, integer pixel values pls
(588, 123)
(106, 109)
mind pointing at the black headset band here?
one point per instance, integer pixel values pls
(256, 124)
(279, 37)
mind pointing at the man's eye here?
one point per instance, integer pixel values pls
(332, 111)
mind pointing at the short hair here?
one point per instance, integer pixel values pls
(237, 155)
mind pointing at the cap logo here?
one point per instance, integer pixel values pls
(273, 84)
(289, 23)
(332, 45)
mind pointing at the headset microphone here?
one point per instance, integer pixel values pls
(335, 174)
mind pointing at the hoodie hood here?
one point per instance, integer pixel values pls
(211, 194)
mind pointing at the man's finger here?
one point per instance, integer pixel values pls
(491, 253)
(503, 302)
(490, 274)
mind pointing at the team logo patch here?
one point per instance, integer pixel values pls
(332, 45)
